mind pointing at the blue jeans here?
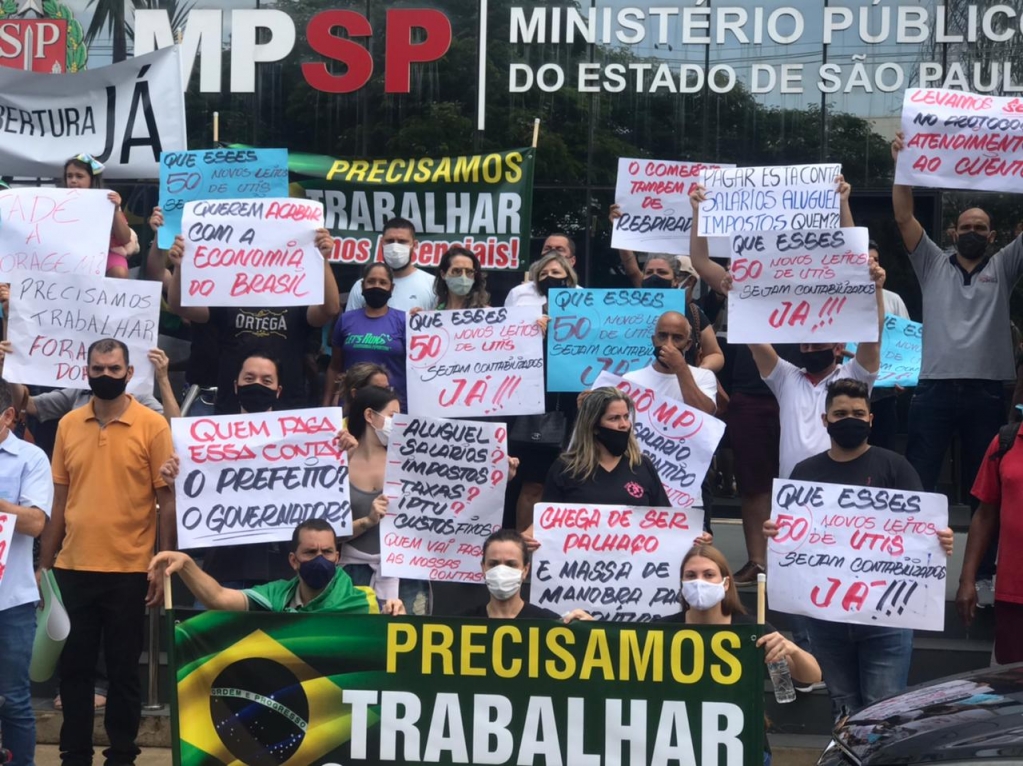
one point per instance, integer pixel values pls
(862, 664)
(17, 630)
(414, 594)
(973, 409)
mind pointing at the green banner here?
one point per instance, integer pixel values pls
(483, 202)
(262, 690)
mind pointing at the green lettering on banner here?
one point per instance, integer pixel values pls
(265, 689)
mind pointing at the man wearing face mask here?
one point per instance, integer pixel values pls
(107, 484)
(413, 287)
(319, 584)
(967, 344)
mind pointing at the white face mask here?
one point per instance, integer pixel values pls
(702, 595)
(396, 255)
(503, 581)
(384, 432)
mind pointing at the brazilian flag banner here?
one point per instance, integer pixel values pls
(296, 689)
(483, 202)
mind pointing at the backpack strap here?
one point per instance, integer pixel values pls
(1006, 438)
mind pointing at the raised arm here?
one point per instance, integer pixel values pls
(629, 262)
(210, 593)
(711, 273)
(197, 314)
(869, 354)
(318, 316)
(902, 203)
(844, 190)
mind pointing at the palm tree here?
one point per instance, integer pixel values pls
(178, 12)
(109, 15)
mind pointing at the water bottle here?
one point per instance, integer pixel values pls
(781, 679)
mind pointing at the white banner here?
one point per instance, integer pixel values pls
(858, 554)
(124, 115)
(6, 538)
(55, 231)
(475, 362)
(619, 563)
(770, 199)
(445, 482)
(56, 317)
(802, 287)
(251, 478)
(956, 140)
(679, 440)
(243, 252)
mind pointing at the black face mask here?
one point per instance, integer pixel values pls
(107, 388)
(255, 397)
(849, 433)
(547, 284)
(656, 282)
(817, 361)
(376, 297)
(616, 442)
(971, 245)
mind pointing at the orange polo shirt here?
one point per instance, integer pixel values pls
(111, 474)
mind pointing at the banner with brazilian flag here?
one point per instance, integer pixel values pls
(296, 689)
(483, 202)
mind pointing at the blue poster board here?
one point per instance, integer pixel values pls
(901, 350)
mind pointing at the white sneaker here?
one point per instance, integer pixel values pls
(985, 593)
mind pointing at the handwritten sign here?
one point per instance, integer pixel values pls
(55, 231)
(801, 287)
(654, 200)
(251, 253)
(770, 199)
(901, 352)
(956, 140)
(858, 554)
(6, 539)
(594, 331)
(251, 478)
(207, 174)
(679, 440)
(445, 481)
(54, 318)
(620, 563)
(475, 362)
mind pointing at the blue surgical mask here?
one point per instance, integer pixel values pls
(318, 572)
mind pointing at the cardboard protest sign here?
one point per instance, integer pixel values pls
(901, 352)
(445, 482)
(475, 362)
(654, 199)
(864, 555)
(620, 563)
(679, 440)
(55, 231)
(207, 174)
(801, 287)
(252, 477)
(956, 140)
(594, 331)
(251, 253)
(328, 688)
(6, 538)
(770, 199)
(482, 202)
(56, 317)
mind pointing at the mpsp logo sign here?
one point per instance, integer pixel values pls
(37, 45)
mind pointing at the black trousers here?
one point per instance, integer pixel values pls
(106, 609)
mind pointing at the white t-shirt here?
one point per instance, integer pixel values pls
(800, 405)
(526, 294)
(666, 383)
(415, 289)
(893, 304)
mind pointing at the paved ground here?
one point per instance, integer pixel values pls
(48, 755)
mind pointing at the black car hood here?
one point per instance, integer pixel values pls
(970, 716)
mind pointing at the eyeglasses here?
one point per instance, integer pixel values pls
(462, 272)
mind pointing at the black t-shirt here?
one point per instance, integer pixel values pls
(745, 376)
(528, 612)
(621, 486)
(204, 357)
(737, 619)
(279, 332)
(876, 467)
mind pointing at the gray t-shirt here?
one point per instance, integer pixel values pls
(411, 291)
(966, 316)
(362, 503)
(53, 405)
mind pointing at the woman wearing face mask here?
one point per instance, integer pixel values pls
(83, 171)
(374, 333)
(369, 422)
(461, 283)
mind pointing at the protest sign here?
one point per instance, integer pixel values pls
(445, 481)
(206, 174)
(475, 362)
(956, 140)
(654, 199)
(594, 331)
(901, 352)
(55, 231)
(482, 202)
(124, 115)
(322, 688)
(801, 287)
(770, 199)
(679, 440)
(863, 555)
(251, 253)
(6, 538)
(619, 563)
(251, 478)
(56, 317)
